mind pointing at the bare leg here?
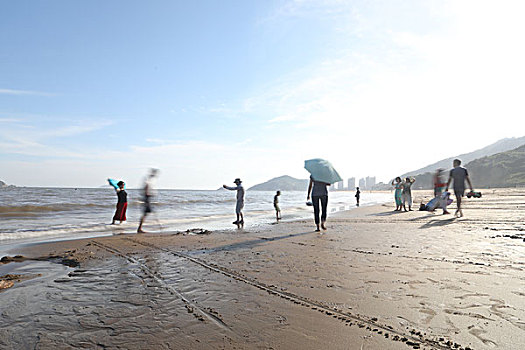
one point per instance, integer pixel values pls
(140, 230)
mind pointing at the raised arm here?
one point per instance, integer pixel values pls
(229, 188)
(309, 189)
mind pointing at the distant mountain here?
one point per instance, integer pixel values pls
(282, 183)
(505, 169)
(502, 145)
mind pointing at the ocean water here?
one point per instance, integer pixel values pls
(43, 214)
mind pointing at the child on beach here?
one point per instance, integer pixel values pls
(398, 185)
(276, 205)
(357, 196)
(407, 193)
(459, 175)
(122, 203)
(240, 201)
(147, 194)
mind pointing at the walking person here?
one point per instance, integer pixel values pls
(122, 203)
(276, 205)
(240, 201)
(398, 186)
(439, 189)
(319, 193)
(148, 192)
(459, 175)
(407, 193)
(357, 196)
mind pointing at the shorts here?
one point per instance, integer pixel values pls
(460, 192)
(407, 199)
(238, 207)
(276, 206)
(147, 206)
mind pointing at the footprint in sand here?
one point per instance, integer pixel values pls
(478, 332)
(430, 315)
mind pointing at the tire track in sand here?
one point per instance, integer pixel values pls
(413, 338)
(199, 312)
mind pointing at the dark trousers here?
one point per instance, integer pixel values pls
(324, 205)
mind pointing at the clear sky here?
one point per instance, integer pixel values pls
(212, 90)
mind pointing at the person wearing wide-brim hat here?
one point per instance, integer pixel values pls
(240, 200)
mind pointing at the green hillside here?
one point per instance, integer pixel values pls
(506, 169)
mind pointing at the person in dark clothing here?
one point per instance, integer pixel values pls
(319, 194)
(122, 203)
(459, 175)
(276, 205)
(357, 196)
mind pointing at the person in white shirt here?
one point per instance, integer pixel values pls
(240, 201)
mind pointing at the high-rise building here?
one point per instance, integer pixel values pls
(351, 184)
(341, 185)
(362, 184)
(332, 187)
(370, 182)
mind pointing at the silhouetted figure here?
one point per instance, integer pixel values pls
(459, 175)
(147, 194)
(319, 194)
(276, 205)
(357, 196)
(240, 201)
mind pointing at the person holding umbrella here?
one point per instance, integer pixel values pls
(322, 175)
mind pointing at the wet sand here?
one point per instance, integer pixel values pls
(377, 279)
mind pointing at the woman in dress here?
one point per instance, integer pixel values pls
(398, 185)
(122, 203)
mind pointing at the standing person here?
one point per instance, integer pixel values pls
(319, 194)
(122, 203)
(357, 196)
(276, 205)
(147, 193)
(398, 185)
(459, 174)
(439, 189)
(407, 193)
(240, 201)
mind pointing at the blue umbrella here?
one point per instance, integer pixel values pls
(321, 170)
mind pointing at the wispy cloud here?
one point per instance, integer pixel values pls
(14, 92)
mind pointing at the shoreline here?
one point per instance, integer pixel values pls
(376, 279)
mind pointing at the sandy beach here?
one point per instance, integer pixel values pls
(376, 279)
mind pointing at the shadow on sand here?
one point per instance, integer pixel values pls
(248, 244)
(438, 223)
